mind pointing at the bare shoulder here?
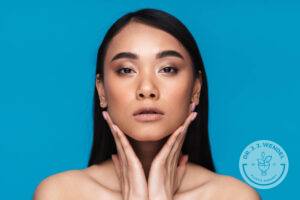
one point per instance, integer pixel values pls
(72, 184)
(201, 183)
(227, 187)
(53, 186)
(195, 177)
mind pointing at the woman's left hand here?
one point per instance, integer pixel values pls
(165, 175)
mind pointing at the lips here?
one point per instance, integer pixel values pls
(148, 110)
(148, 117)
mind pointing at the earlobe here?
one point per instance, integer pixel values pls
(100, 90)
(195, 99)
(197, 89)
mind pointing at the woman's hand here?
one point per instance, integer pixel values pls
(128, 167)
(165, 175)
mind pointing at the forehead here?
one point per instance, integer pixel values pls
(144, 40)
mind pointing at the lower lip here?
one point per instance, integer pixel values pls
(148, 117)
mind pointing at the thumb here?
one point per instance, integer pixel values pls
(183, 160)
(116, 163)
(181, 169)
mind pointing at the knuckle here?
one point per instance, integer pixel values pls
(125, 146)
(170, 144)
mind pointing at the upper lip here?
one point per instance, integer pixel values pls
(148, 109)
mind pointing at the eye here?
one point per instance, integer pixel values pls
(124, 69)
(175, 70)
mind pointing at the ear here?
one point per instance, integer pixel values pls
(197, 88)
(100, 90)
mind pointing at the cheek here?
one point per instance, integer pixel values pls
(119, 98)
(118, 93)
(174, 99)
(178, 99)
(176, 111)
(119, 104)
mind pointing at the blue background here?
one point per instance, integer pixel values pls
(47, 64)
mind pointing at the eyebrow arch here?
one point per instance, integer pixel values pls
(169, 53)
(159, 55)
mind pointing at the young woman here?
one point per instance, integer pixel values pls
(150, 118)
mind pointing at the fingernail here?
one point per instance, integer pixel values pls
(114, 128)
(104, 115)
(181, 130)
(192, 107)
(194, 115)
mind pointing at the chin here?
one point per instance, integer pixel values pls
(147, 137)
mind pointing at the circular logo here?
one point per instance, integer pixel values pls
(264, 164)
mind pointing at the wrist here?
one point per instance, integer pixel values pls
(139, 197)
(160, 197)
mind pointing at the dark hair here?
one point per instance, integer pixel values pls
(196, 143)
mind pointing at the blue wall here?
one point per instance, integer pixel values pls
(47, 63)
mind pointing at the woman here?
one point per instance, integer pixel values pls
(149, 80)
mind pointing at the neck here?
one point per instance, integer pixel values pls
(146, 151)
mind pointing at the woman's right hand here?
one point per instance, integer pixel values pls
(128, 167)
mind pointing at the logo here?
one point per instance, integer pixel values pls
(264, 164)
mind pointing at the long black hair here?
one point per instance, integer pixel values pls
(196, 143)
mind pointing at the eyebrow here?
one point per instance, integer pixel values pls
(159, 55)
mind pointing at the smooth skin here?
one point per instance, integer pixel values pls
(165, 177)
(149, 163)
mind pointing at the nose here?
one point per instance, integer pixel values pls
(147, 90)
(147, 94)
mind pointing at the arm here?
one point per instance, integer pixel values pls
(47, 190)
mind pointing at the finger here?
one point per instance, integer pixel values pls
(126, 146)
(181, 170)
(116, 137)
(175, 151)
(119, 170)
(117, 165)
(192, 107)
(183, 160)
(122, 157)
(164, 152)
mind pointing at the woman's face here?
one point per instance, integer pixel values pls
(150, 79)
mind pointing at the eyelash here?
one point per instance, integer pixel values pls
(175, 70)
